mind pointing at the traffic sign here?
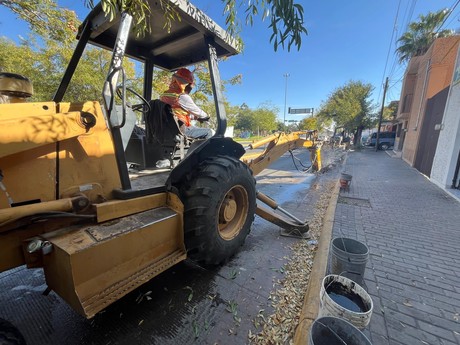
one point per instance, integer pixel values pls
(300, 111)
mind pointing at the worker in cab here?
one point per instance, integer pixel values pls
(183, 106)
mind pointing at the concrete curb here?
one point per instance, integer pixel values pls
(310, 306)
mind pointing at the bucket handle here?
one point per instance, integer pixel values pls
(333, 332)
(342, 236)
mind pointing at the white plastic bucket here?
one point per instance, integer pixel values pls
(334, 331)
(342, 297)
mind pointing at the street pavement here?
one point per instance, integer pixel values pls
(412, 230)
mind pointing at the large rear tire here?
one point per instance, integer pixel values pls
(219, 204)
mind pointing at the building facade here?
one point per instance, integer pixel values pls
(446, 163)
(422, 103)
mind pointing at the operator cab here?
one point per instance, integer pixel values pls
(192, 39)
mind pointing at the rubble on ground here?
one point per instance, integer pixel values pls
(287, 300)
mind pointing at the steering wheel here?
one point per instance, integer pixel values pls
(143, 107)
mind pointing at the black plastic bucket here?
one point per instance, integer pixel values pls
(330, 330)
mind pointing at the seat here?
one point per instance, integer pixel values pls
(162, 128)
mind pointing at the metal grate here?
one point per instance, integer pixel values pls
(353, 201)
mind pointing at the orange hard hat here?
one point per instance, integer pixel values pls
(185, 75)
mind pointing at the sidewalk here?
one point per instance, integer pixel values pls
(412, 229)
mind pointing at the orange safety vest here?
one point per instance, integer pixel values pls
(172, 98)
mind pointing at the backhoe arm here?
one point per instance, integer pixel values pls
(292, 224)
(277, 145)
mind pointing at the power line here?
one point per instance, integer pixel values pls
(451, 20)
(391, 44)
(409, 15)
(397, 82)
(395, 71)
(440, 26)
(406, 19)
(393, 66)
(397, 76)
(409, 11)
(447, 16)
(451, 11)
(406, 23)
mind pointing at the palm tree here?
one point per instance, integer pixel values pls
(421, 35)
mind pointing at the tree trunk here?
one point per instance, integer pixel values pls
(357, 138)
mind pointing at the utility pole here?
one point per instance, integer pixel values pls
(381, 115)
(285, 75)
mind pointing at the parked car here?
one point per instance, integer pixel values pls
(386, 140)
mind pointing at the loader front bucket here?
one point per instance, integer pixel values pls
(93, 266)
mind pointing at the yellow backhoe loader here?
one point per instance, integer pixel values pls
(68, 202)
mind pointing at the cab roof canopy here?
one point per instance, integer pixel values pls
(184, 44)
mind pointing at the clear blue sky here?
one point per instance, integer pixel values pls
(346, 41)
